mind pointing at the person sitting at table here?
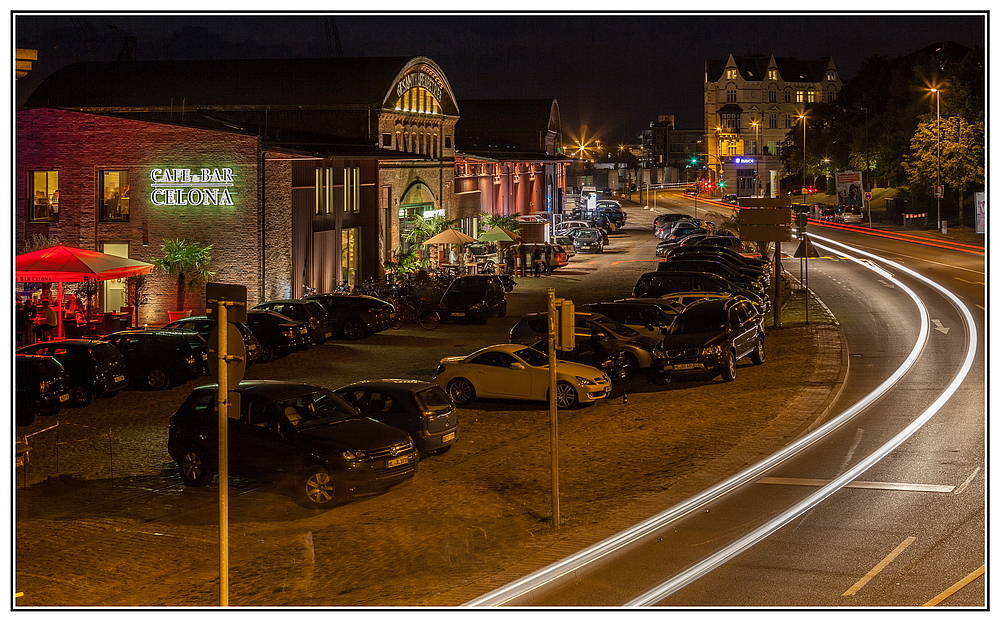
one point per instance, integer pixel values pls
(46, 321)
(469, 258)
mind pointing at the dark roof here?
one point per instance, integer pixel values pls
(506, 128)
(300, 82)
(754, 68)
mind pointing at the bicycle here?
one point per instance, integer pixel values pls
(418, 311)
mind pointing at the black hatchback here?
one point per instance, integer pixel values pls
(420, 408)
(204, 325)
(41, 387)
(474, 297)
(95, 367)
(160, 358)
(300, 433)
(356, 316)
(308, 311)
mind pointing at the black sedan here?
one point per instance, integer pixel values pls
(204, 325)
(160, 358)
(95, 367)
(419, 408)
(356, 316)
(300, 433)
(41, 387)
(276, 334)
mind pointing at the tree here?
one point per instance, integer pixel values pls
(38, 241)
(425, 228)
(188, 261)
(961, 161)
(508, 222)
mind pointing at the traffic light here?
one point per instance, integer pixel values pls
(695, 160)
(722, 182)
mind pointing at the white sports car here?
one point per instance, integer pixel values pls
(515, 371)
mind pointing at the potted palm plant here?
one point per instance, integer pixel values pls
(188, 262)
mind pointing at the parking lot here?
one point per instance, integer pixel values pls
(102, 519)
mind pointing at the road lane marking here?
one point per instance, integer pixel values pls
(879, 567)
(941, 328)
(797, 481)
(958, 278)
(969, 578)
(967, 481)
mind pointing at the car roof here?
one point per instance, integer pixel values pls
(162, 332)
(408, 384)
(71, 343)
(711, 304)
(275, 389)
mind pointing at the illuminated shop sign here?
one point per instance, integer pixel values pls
(419, 79)
(744, 160)
(191, 186)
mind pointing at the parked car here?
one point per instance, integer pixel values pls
(160, 358)
(595, 350)
(204, 325)
(421, 409)
(657, 284)
(663, 248)
(300, 433)
(710, 336)
(575, 232)
(41, 387)
(308, 311)
(94, 367)
(754, 282)
(850, 214)
(514, 371)
(560, 258)
(733, 254)
(717, 240)
(276, 334)
(474, 297)
(688, 298)
(567, 225)
(356, 317)
(637, 348)
(738, 263)
(589, 241)
(566, 242)
(663, 219)
(647, 319)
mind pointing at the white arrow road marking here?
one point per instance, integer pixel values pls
(939, 327)
(887, 284)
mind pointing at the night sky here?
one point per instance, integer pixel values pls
(612, 73)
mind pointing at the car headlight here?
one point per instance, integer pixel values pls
(352, 456)
(585, 381)
(476, 306)
(711, 351)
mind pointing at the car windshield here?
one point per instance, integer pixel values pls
(433, 400)
(584, 235)
(315, 409)
(615, 327)
(467, 285)
(700, 322)
(533, 357)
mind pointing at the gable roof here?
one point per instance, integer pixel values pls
(754, 68)
(294, 82)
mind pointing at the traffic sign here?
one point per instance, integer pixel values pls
(805, 249)
(235, 295)
(868, 196)
(939, 191)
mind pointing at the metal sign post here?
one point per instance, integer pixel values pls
(553, 409)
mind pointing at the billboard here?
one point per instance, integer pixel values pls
(848, 188)
(980, 212)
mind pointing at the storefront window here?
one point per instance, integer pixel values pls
(349, 257)
(44, 196)
(114, 196)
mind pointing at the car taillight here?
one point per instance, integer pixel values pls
(43, 386)
(290, 333)
(190, 360)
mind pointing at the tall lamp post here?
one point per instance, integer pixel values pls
(937, 184)
(802, 119)
(756, 153)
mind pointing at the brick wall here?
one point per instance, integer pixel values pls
(80, 145)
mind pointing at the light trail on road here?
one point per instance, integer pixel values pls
(575, 564)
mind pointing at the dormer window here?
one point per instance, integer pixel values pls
(831, 75)
(772, 74)
(730, 74)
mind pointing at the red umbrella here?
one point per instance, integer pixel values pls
(66, 264)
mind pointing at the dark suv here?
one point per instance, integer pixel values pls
(308, 311)
(474, 297)
(276, 334)
(94, 367)
(356, 316)
(656, 284)
(159, 358)
(710, 336)
(41, 387)
(300, 433)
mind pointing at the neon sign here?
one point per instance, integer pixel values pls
(188, 186)
(419, 79)
(743, 160)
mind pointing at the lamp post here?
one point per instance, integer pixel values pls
(802, 119)
(937, 184)
(756, 152)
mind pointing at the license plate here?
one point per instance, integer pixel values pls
(458, 314)
(119, 378)
(64, 397)
(328, 335)
(447, 437)
(251, 347)
(393, 462)
(685, 366)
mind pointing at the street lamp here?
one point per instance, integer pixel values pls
(756, 152)
(802, 119)
(937, 185)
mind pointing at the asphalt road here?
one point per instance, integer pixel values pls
(910, 532)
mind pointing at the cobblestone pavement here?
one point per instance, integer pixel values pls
(106, 522)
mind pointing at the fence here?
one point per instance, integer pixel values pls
(39, 453)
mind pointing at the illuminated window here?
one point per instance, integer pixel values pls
(350, 260)
(730, 74)
(324, 191)
(811, 96)
(114, 196)
(418, 100)
(800, 97)
(352, 189)
(44, 194)
(831, 75)
(772, 74)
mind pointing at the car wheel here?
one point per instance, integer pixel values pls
(193, 467)
(630, 364)
(353, 329)
(319, 490)
(265, 353)
(566, 396)
(729, 369)
(157, 379)
(461, 390)
(508, 287)
(80, 395)
(502, 311)
(758, 355)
